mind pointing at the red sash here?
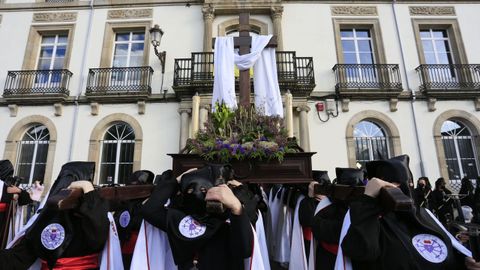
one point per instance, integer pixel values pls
(75, 263)
(3, 207)
(332, 248)
(128, 247)
(307, 233)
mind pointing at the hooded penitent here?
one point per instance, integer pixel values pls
(52, 233)
(394, 170)
(142, 177)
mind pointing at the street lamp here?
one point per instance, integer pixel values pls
(156, 34)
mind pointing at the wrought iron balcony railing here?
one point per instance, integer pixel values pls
(456, 77)
(294, 73)
(23, 83)
(370, 77)
(119, 81)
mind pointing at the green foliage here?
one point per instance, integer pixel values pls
(242, 134)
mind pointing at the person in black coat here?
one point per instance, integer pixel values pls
(422, 193)
(467, 192)
(442, 204)
(199, 239)
(397, 240)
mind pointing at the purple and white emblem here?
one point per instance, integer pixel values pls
(191, 228)
(124, 219)
(432, 248)
(52, 236)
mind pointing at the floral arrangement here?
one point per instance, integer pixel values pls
(242, 134)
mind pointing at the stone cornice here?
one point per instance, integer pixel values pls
(54, 17)
(432, 11)
(121, 14)
(354, 11)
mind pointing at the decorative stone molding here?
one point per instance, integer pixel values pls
(208, 12)
(54, 17)
(1, 16)
(431, 104)
(354, 11)
(345, 102)
(432, 11)
(303, 108)
(58, 109)
(184, 110)
(141, 107)
(13, 108)
(477, 104)
(120, 14)
(94, 106)
(393, 104)
(277, 12)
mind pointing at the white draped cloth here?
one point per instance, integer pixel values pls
(268, 99)
(111, 258)
(298, 258)
(152, 250)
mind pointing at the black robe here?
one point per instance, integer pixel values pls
(222, 246)
(86, 229)
(377, 240)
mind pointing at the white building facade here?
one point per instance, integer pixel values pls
(369, 79)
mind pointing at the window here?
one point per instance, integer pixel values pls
(128, 50)
(459, 148)
(371, 142)
(357, 46)
(32, 154)
(436, 46)
(117, 158)
(439, 41)
(51, 56)
(48, 48)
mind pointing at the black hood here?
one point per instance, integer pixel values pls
(71, 172)
(349, 176)
(6, 169)
(321, 177)
(142, 177)
(394, 170)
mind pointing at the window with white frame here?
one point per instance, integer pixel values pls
(371, 142)
(436, 46)
(32, 154)
(118, 147)
(128, 52)
(460, 155)
(52, 56)
(357, 46)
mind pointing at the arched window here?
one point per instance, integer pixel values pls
(460, 156)
(371, 142)
(32, 154)
(118, 146)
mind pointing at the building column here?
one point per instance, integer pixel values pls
(277, 25)
(304, 133)
(208, 16)
(183, 126)
(203, 115)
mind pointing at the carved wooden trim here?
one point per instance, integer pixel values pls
(55, 17)
(432, 11)
(354, 11)
(129, 14)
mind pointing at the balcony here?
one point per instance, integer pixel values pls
(119, 83)
(195, 74)
(449, 81)
(37, 86)
(367, 80)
